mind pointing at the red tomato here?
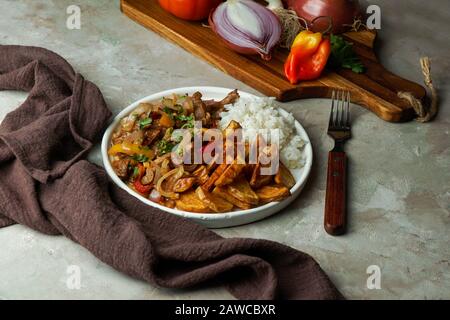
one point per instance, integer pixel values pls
(190, 9)
(143, 189)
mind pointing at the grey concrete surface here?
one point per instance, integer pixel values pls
(400, 173)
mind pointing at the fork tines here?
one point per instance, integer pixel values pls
(340, 111)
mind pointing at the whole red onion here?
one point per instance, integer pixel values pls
(341, 12)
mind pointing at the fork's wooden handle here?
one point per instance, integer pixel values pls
(335, 199)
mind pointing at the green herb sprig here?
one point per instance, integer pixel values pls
(144, 123)
(164, 146)
(135, 172)
(343, 55)
(182, 117)
(139, 158)
(169, 112)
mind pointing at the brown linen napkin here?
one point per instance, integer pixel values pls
(46, 185)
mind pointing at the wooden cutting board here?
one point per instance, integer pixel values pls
(376, 89)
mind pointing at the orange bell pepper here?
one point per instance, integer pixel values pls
(306, 43)
(308, 57)
(166, 121)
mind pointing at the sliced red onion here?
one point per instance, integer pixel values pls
(155, 196)
(247, 27)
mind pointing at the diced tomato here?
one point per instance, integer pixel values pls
(143, 189)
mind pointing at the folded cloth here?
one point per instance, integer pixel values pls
(46, 184)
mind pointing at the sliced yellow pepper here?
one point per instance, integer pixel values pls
(130, 149)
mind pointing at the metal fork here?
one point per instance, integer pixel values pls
(336, 194)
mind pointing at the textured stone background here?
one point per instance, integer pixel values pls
(399, 183)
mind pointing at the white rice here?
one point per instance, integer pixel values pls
(259, 114)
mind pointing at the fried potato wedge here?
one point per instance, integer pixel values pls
(212, 165)
(272, 193)
(233, 125)
(284, 176)
(230, 174)
(201, 173)
(258, 180)
(225, 194)
(189, 201)
(240, 189)
(184, 184)
(214, 202)
(170, 203)
(248, 171)
(214, 176)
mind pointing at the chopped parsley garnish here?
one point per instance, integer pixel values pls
(135, 172)
(164, 146)
(189, 121)
(144, 123)
(177, 136)
(188, 125)
(139, 158)
(180, 151)
(178, 139)
(169, 112)
(182, 117)
(343, 55)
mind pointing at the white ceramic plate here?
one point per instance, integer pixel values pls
(213, 220)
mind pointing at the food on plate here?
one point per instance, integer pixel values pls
(214, 202)
(241, 190)
(257, 115)
(189, 9)
(247, 27)
(230, 174)
(184, 184)
(284, 177)
(227, 195)
(210, 182)
(201, 175)
(271, 193)
(258, 179)
(189, 201)
(146, 148)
